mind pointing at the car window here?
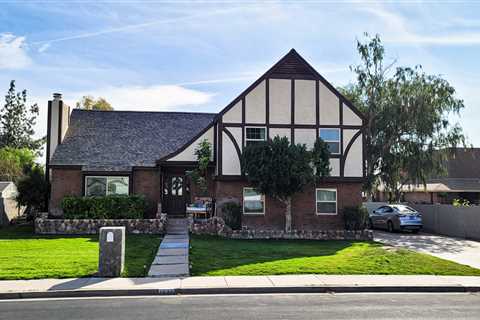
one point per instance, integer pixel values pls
(380, 210)
(387, 210)
(405, 209)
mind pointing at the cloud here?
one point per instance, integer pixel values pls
(44, 47)
(13, 54)
(398, 31)
(151, 98)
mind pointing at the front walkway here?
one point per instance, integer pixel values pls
(458, 250)
(172, 256)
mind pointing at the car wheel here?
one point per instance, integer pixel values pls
(390, 226)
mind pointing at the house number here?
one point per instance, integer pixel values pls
(110, 237)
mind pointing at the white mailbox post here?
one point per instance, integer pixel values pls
(112, 251)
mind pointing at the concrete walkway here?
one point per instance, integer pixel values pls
(462, 251)
(235, 284)
(172, 255)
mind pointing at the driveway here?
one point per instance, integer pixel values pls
(455, 249)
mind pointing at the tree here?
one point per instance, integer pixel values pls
(17, 121)
(199, 175)
(280, 169)
(90, 103)
(408, 120)
(14, 162)
(33, 190)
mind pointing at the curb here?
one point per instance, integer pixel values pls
(239, 290)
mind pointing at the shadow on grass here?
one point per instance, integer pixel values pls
(209, 254)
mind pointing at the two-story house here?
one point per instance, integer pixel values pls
(123, 152)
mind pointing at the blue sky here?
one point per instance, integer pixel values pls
(198, 56)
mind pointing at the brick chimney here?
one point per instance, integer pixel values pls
(57, 125)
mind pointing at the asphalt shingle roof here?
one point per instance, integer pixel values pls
(118, 140)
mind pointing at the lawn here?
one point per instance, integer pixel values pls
(25, 255)
(211, 256)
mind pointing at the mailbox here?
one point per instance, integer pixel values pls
(112, 251)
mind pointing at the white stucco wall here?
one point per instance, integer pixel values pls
(353, 162)
(280, 101)
(281, 132)
(306, 136)
(255, 109)
(305, 106)
(334, 167)
(349, 117)
(234, 115)
(230, 160)
(189, 153)
(329, 106)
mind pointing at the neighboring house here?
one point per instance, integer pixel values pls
(8, 205)
(461, 181)
(122, 152)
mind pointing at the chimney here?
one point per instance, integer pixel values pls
(57, 125)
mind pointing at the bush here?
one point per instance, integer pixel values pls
(355, 218)
(108, 207)
(33, 190)
(232, 213)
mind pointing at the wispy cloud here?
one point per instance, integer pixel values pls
(13, 54)
(152, 98)
(400, 31)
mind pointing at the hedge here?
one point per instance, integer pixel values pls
(108, 207)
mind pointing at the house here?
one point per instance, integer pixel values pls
(123, 152)
(460, 181)
(8, 203)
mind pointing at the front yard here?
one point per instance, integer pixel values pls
(212, 256)
(25, 255)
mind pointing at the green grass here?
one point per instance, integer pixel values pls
(25, 255)
(213, 256)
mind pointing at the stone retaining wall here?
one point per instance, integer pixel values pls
(92, 226)
(216, 227)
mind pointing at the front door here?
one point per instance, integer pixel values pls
(174, 194)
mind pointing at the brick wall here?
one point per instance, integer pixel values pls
(64, 182)
(303, 207)
(147, 182)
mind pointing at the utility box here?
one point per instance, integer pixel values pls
(112, 251)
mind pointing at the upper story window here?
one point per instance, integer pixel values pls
(105, 185)
(332, 137)
(255, 135)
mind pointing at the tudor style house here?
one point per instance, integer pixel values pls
(149, 153)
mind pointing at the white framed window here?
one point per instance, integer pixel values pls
(332, 137)
(255, 135)
(106, 185)
(253, 202)
(326, 201)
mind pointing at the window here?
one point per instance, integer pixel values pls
(103, 185)
(326, 200)
(253, 202)
(255, 135)
(332, 138)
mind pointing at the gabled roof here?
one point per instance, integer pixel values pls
(119, 140)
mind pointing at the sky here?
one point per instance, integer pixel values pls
(199, 55)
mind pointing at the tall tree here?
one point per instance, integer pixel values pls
(280, 169)
(14, 163)
(90, 103)
(17, 121)
(408, 119)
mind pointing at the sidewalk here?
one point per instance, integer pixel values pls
(234, 284)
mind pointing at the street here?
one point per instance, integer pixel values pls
(291, 306)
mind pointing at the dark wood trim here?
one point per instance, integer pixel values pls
(292, 113)
(136, 168)
(215, 140)
(220, 145)
(228, 178)
(242, 125)
(295, 126)
(317, 108)
(325, 180)
(235, 144)
(64, 167)
(364, 154)
(167, 163)
(60, 120)
(340, 120)
(297, 76)
(345, 154)
(267, 107)
(185, 146)
(49, 128)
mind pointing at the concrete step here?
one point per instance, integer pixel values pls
(170, 260)
(169, 270)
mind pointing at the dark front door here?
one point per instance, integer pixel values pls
(174, 194)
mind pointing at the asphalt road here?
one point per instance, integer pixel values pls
(250, 307)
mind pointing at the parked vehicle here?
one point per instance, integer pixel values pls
(396, 217)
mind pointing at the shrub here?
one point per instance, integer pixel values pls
(232, 213)
(355, 218)
(108, 207)
(33, 190)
